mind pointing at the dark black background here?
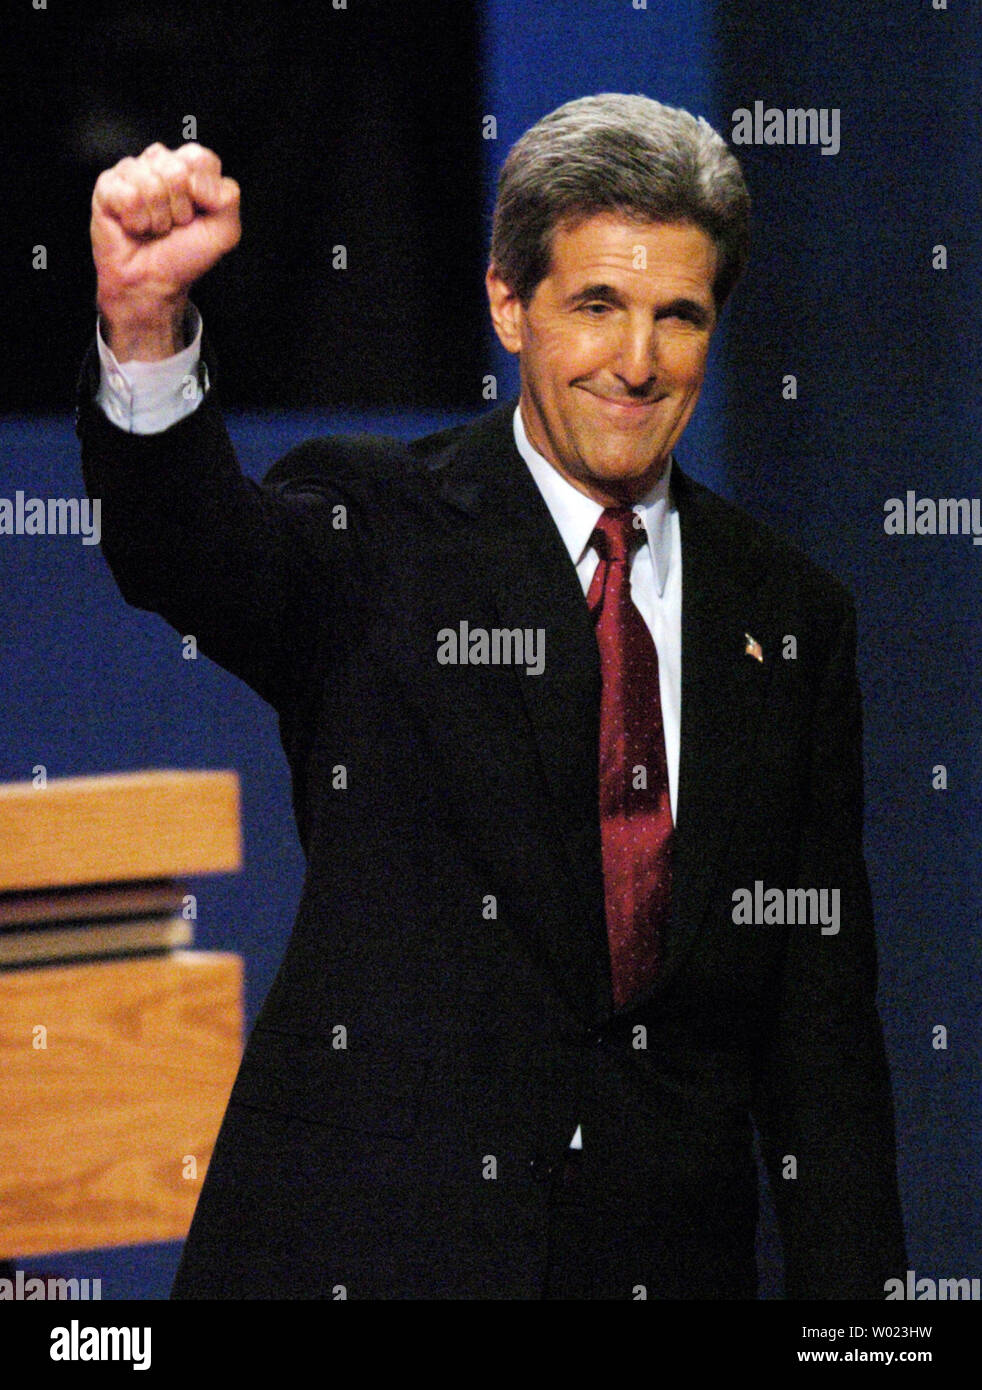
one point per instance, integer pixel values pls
(358, 127)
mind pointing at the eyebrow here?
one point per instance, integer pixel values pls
(592, 292)
(682, 306)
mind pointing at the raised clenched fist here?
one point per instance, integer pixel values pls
(159, 222)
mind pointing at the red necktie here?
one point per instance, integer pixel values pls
(635, 809)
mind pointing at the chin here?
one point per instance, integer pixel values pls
(618, 470)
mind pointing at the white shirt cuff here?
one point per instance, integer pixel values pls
(147, 397)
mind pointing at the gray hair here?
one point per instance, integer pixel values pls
(653, 163)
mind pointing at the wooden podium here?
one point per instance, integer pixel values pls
(115, 1072)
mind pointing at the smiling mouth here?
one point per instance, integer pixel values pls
(624, 407)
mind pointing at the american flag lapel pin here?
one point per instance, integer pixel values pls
(753, 648)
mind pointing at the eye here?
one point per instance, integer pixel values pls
(691, 318)
(597, 309)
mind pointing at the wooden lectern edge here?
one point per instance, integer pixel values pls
(189, 956)
(91, 780)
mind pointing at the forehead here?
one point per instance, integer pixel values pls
(630, 248)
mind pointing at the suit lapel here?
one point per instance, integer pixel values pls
(723, 688)
(520, 560)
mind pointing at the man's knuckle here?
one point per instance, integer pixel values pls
(156, 184)
(120, 193)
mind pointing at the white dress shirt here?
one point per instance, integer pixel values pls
(656, 573)
(146, 397)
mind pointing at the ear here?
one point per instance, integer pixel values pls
(506, 311)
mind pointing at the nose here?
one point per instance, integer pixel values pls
(636, 362)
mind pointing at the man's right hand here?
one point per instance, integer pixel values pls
(159, 222)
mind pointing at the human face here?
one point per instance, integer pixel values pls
(612, 349)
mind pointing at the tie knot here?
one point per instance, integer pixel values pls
(619, 531)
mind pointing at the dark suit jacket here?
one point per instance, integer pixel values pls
(416, 1160)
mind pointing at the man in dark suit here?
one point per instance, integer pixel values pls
(577, 769)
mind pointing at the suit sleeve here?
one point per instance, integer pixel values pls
(824, 1096)
(243, 567)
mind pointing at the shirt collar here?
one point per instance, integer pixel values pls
(576, 515)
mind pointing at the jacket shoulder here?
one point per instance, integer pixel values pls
(765, 548)
(329, 459)
(374, 458)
